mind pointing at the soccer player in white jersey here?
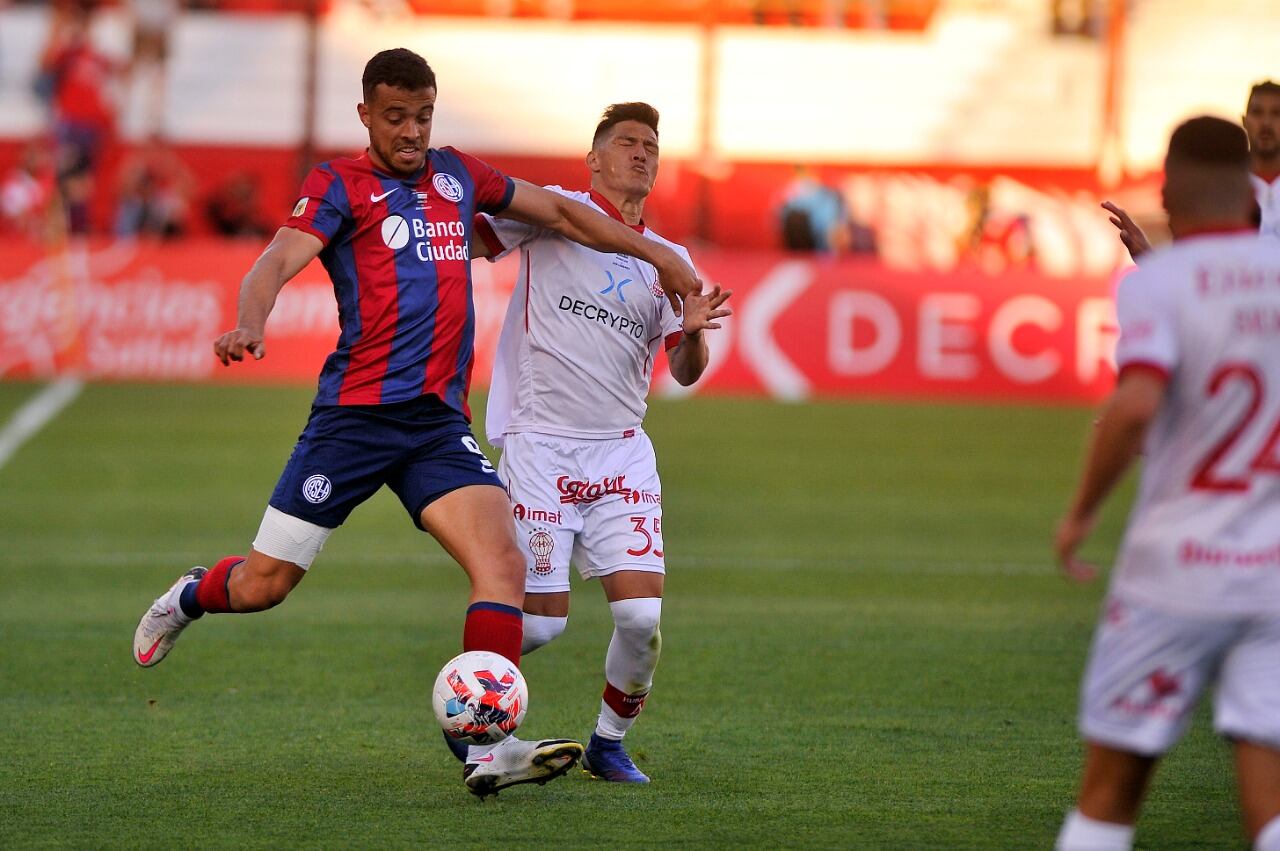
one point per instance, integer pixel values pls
(1261, 121)
(1194, 599)
(567, 402)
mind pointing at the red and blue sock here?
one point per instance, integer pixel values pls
(495, 627)
(210, 594)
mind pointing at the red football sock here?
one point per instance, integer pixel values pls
(496, 628)
(211, 593)
(626, 705)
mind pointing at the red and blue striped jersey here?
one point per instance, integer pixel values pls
(397, 251)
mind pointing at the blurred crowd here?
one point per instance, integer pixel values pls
(104, 164)
(81, 155)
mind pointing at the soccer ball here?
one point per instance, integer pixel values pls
(479, 698)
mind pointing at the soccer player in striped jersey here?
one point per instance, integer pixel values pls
(567, 403)
(392, 228)
(1194, 600)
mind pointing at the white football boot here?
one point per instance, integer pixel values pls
(514, 761)
(163, 622)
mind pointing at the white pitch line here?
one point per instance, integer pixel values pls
(32, 416)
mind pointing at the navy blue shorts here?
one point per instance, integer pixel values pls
(421, 449)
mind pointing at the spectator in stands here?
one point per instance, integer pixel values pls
(26, 192)
(152, 22)
(233, 210)
(155, 192)
(992, 240)
(815, 217)
(78, 80)
(1079, 17)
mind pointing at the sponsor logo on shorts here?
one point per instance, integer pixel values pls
(541, 544)
(448, 187)
(316, 489)
(578, 491)
(635, 497)
(536, 515)
(1159, 687)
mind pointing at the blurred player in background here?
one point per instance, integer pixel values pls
(1261, 123)
(1195, 595)
(574, 363)
(392, 228)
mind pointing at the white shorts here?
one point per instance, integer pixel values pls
(1147, 669)
(595, 502)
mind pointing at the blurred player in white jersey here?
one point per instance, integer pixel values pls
(1195, 595)
(574, 362)
(1261, 121)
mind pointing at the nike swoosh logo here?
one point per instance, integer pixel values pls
(486, 758)
(144, 658)
(376, 198)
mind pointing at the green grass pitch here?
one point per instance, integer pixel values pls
(866, 645)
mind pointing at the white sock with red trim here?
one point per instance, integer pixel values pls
(629, 664)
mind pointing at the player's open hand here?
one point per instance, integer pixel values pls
(1070, 534)
(1130, 234)
(703, 309)
(678, 280)
(233, 345)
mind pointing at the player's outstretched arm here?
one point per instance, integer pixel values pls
(1117, 440)
(578, 222)
(688, 360)
(1130, 234)
(287, 255)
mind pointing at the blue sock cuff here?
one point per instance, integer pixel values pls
(188, 603)
(484, 606)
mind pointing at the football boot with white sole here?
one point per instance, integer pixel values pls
(163, 622)
(514, 762)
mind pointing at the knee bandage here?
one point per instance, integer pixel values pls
(289, 538)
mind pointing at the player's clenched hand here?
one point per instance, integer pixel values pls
(703, 309)
(1130, 234)
(234, 344)
(1071, 532)
(677, 279)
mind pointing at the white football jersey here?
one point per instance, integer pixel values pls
(576, 351)
(1204, 533)
(1268, 195)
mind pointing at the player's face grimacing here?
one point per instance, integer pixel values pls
(627, 159)
(399, 123)
(1262, 124)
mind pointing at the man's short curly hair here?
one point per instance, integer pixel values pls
(399, 68)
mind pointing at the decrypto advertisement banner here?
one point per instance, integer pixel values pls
(804, 326)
